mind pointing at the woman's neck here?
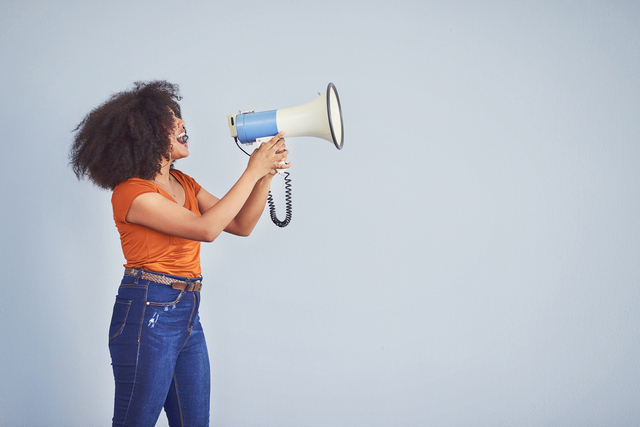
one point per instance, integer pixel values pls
(163, 180)
(164, 175)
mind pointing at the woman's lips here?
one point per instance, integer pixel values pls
(183, 138)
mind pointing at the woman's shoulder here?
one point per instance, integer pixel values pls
(185, 179)
(179, 174)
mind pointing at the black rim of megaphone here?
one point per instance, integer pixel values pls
(333, 135)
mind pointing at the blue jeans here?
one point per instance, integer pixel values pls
(159, 355)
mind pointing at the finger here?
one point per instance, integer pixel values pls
(277, 139)
(278, 145)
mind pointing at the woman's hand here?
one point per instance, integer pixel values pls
(269, 157)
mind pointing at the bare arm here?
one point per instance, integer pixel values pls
(155, 211)
(247, 218)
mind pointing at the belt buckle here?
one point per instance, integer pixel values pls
(194, 286)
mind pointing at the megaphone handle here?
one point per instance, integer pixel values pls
(267, 139)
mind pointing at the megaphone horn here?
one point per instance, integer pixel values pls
(320, 118)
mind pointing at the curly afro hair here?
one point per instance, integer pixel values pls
(127, 136)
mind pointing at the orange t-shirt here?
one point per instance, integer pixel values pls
(149, 249)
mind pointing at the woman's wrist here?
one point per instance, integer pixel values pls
(267, 178)
(252, 175)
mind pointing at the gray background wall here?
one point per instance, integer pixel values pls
(469, 258)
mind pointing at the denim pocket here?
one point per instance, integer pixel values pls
(119, 317)
(163, 295)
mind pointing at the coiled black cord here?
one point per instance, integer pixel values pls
(287, 198)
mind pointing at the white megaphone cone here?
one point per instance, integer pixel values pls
(320, 118)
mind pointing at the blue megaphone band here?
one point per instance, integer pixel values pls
(256, 125)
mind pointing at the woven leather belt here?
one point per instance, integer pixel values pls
(194, 286)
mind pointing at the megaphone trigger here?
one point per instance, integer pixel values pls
(281, 171)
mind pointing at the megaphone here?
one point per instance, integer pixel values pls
(320, 118)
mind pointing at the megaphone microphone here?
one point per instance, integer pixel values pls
(320, 118)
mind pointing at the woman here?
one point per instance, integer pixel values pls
(158, 350)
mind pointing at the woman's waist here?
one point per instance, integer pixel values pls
(160, 277)
(175, 281)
